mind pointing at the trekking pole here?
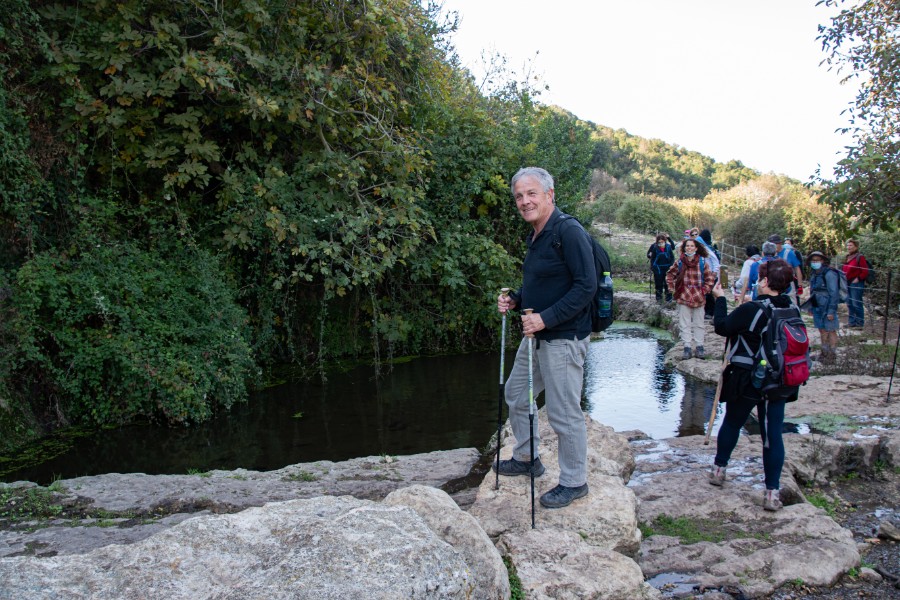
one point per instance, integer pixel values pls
(715, 406)
(893, 366)
(503, 292)
(528, 311)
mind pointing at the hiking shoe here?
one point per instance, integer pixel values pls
(699, 352)
(772, 500)
(561, 496)
(687, 353)
(514, 467)
(717, 475)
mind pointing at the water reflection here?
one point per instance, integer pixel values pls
(427, 404)
(628, 386)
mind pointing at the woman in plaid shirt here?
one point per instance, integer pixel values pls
(689, 280)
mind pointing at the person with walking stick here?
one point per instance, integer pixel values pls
(559, 281)
(745, 328)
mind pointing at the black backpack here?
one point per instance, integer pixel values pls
(603, 265)
(798, 256)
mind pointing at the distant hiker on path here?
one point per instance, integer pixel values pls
(559, 286)
(743, 328)
(787, 254)
(768, 252)
(661, 256)
(857, 270)
(823, 302)
(740, 289)
(689, 280)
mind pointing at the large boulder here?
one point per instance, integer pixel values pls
(328, 547)
(462, 531)
(606, 517)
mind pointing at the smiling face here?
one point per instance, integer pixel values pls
(534, 204)
(690, 246)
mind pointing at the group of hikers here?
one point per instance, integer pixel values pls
(559, 281)
(689, 276)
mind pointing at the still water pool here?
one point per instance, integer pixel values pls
(426, 404)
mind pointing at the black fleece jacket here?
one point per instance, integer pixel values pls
(738, 322)
(559, 282)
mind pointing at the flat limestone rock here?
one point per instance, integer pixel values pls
(760, 550)
(139, 501)
(606, 517)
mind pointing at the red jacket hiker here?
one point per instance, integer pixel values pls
(855, 268)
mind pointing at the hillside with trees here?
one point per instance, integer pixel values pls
(192, 193)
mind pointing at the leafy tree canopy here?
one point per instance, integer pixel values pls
(863, 44)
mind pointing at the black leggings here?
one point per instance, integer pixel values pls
(659, 282)
(771, 421)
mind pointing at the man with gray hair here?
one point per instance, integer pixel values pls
(768, 251)
(559, 282)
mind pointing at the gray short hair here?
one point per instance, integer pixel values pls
(769, 249)
(545, 178)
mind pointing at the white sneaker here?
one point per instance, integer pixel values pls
(772, 500)
(717, 475)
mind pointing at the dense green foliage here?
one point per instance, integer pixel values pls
(117, 332)
(863, 44)
(191, 189)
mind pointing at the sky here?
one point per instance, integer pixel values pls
(731, 79)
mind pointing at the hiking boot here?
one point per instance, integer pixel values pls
(772, 500)
(687, 353)
(514, 467)
(561, 496)
(699, 352)
(717, 475)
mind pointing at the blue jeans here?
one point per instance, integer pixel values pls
(855, 304)
(771, 422)
(558, 370)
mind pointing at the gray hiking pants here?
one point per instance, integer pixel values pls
(558, 367)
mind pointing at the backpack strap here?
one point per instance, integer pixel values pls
(748, 358)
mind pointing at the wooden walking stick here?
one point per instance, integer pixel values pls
(503, 292)
(715, 406)
(528, 311)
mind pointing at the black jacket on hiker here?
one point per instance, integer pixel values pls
(660, 261)
(740, 325)
(559, 283)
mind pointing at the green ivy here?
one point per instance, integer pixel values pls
(113, 332)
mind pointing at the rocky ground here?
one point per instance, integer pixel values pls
(860, 502)
(862, 494)
(835, 538)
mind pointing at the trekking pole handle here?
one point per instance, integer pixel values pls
(528, 311)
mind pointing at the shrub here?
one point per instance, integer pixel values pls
(650, 215)
(116, 332)
(751, 226)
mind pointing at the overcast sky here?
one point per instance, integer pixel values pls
(729, 79)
